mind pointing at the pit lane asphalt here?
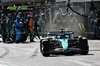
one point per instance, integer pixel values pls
(28, 54)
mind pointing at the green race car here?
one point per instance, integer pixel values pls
(63, 42)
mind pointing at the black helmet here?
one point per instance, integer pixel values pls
(20, 13)
(28, 16)
(22, 19)
(2, 15)
(36, 17)
(9, 15)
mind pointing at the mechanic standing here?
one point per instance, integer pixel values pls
(43, 24)
(94, 22)
(9, 27)
(17, 29)
(27, 26)
(95, 27)
(58, 21)
(3, 27)
(36, 27)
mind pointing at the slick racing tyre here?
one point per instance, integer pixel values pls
(83, 44)
(45, 47)
(41, 45)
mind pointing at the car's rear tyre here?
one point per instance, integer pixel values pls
(84, 51)
(44, 48)
(83, 44)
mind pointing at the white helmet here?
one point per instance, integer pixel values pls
(58, 13)
(42, 14)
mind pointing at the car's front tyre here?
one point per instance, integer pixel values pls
(83, 44)
(44, 47)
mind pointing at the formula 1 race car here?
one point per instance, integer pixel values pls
(63, 42)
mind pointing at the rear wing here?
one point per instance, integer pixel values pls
(68, 32)
(55, 33)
